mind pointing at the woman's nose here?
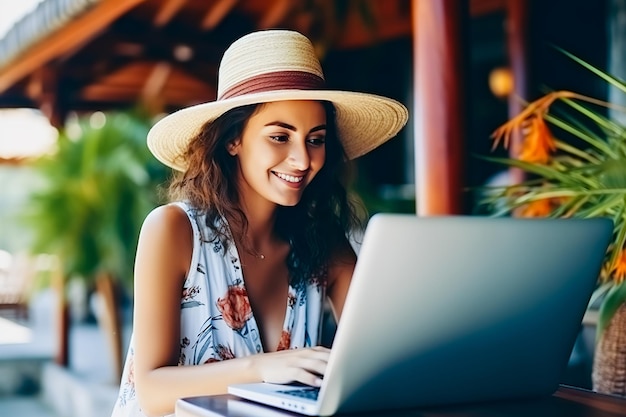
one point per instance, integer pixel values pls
(299, 157)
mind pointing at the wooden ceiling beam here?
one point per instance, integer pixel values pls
(216, 13)
(155, 82)
(76, 32)
(360, 38)
(275, 14)
(168, 11)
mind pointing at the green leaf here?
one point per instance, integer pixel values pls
(604, 123)
(576, 152)
(538, 169)
(607, 77)
(615, 297)
(594, 141)
(599, 293)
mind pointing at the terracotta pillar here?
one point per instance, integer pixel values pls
(440, 114)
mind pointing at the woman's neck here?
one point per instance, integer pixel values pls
(259, 235)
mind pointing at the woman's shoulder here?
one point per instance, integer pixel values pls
(168, 216)
(165, 244)
(169, 221)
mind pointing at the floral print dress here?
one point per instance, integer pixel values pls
(216, 318)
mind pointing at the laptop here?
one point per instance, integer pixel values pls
(454, 309)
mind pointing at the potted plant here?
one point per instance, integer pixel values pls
(97, 188)
(583, 176)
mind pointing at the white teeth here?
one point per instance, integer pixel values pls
(289, 178)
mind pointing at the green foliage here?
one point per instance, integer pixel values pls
(98, 187)
(615, 297)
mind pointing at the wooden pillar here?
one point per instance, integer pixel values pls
(516, 25)
(61, 315)
(440, 113)
(110, 321)
(43, 88)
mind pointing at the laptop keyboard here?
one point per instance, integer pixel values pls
(309, 393)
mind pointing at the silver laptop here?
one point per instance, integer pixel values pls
(445, 310)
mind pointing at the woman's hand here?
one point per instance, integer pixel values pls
(306, 366)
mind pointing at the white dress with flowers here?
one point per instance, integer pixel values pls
(216, 319)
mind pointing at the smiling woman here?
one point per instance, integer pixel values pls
(232, 277)
(25, 133)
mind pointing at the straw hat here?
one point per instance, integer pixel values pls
(275, 65)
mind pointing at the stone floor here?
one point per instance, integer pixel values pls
(27, 406)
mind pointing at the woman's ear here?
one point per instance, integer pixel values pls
(233, 147)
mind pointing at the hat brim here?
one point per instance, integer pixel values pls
(364, 121)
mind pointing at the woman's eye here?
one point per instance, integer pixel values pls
(317, 141)
(279, 138)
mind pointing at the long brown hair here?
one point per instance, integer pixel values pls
(315, 227)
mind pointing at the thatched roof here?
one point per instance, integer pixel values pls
(99, 54)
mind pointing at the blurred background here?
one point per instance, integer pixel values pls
(81, 82)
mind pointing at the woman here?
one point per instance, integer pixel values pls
(231, 278)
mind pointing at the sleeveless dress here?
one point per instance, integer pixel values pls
(216, 319)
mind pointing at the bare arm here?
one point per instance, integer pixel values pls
(163, 258)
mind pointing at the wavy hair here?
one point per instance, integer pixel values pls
(315, 228)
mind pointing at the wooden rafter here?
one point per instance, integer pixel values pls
(168, 11)
(73, 34)
(216, 13)
(275, 14)
(156, 80)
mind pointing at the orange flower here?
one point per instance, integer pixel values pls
(618, 271)
(538, 143)
(537, 208)
(235, 307)
(534, 110)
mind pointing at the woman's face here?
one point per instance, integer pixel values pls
(280, 151)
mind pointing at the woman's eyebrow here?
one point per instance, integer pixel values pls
(293, 128)
(282, 124)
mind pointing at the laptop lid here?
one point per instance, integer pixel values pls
(452, 309)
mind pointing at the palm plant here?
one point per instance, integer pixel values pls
(98, 187)
(584, 176)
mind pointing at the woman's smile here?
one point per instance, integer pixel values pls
(291, 180)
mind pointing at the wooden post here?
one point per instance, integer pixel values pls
(62, 314)
(440, 113)
(109, 320)
(43, 88)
